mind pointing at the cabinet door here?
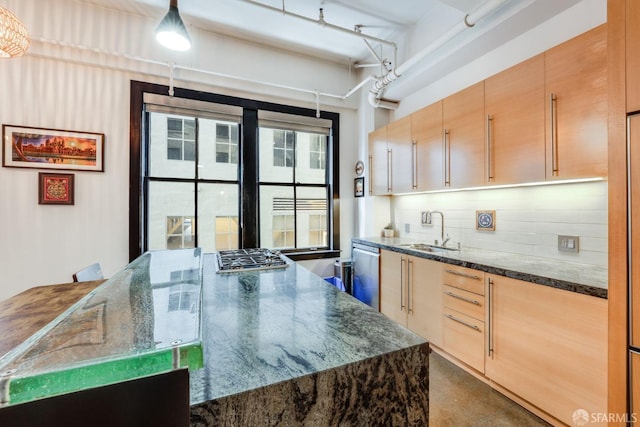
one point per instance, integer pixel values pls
(426, 128)
(632, 46)
(548, 346)
(464, 315)
(577, 106)
(463, 121)
(393, 293)
(425, 299)
(635, 386)
(464, 338)
(378, 162)
(514, 104)
(401, 155)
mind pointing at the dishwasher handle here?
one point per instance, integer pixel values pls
(374, 250)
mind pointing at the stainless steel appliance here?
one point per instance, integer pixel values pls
(234, 260)
(366, 274)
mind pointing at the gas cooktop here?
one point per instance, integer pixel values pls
(249, 259)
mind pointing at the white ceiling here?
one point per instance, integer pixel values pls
(411, 24)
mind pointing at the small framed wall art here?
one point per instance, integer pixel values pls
(55, 188)
(486, 220)
(358, 187)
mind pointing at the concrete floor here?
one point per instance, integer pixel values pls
(458, 399)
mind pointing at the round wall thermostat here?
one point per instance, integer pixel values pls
(359, 167)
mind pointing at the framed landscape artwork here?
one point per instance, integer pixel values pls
(55, 188)
(28, 147)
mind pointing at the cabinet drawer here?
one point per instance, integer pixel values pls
(464, 278)
(464, 302)
(463, 338)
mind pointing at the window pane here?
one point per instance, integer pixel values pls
(189, 150)
(273, 156)
(312, 158)
(189, 130)
(276, 217)
(317, 230)
(166, 156)
(311, 214)
(218, 149)
(174, 149)
(218, 215)
(174, 128)
(170, 215)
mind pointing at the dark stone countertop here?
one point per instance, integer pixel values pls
(582, 278)
(264, 327)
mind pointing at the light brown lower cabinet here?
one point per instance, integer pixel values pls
(541, 345)
(548, 346)
(635, 388)
(463, 333)
(410, 293)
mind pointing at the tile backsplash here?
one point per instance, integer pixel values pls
(528, 220)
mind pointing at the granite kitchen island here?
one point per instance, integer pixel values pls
(283, 347)
(274, 347)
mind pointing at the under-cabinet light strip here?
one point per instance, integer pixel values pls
(492, 187)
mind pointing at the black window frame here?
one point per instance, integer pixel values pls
(248, 168)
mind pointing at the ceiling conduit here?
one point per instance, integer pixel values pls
(380, 83)
(321, 21)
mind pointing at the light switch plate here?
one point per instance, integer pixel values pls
(568, 243)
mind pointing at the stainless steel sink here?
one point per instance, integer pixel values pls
(427, 248)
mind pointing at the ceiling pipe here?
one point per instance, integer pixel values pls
(321, 21)
(380, 83)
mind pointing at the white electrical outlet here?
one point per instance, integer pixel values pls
(568, 243)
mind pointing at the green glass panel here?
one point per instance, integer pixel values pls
(127, 328)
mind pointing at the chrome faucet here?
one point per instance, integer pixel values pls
(429, 219)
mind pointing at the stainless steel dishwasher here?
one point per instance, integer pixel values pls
(366, 274)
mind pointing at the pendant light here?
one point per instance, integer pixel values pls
(171, 32)
(14, 40)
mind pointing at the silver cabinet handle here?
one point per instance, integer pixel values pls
(414, 153)
(553, 113)
(446, 158)
(389, 169)
(490, 318)
(402, 307)
(409, 284)
(458, 273)
(465, 299)
(489, 142)
(370, 174)
(462, 322)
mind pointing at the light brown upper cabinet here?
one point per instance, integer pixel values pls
(391, 158)
(378, 167)
(632, 46)
(463, 138)
(514, 107)
(401, 156)
(426, 129)
(576, 107)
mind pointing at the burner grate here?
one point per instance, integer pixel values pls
(249, 259)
